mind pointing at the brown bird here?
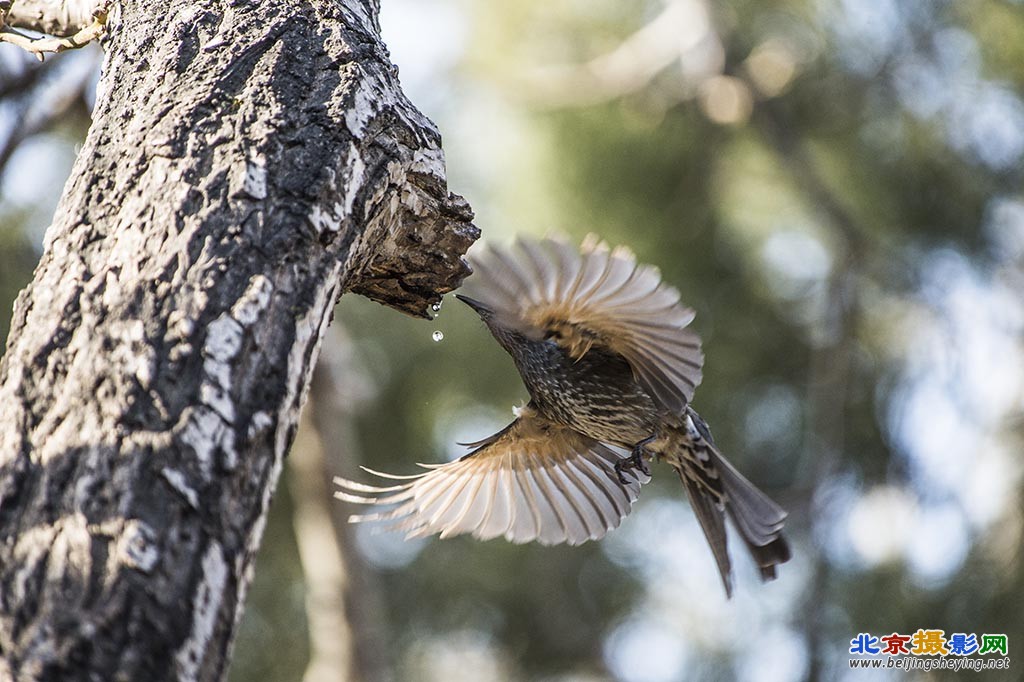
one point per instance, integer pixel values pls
(602, 346)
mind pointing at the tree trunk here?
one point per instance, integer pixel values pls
(247, 164)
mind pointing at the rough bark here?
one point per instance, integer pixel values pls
(247, 164)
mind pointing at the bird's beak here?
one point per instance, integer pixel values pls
(480, 308)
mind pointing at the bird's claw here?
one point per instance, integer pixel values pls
(637, 460)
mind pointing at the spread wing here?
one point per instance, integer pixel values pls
(534, 480)
(595, 295)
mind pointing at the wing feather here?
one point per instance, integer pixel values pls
(607, 504)
(594, 511)
(534, 480)
(500, 517)
(596, 295)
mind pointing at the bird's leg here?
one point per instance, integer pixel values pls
(636, 460)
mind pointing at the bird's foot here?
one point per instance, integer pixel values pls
(637, 460)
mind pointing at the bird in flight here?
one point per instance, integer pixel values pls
(602, 345)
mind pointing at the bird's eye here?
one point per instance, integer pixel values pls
(553, 334)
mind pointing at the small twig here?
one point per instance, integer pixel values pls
(40, 46)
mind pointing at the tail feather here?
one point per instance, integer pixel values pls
(712, 522)
(717, 489)
(758, 514)
(756, 517)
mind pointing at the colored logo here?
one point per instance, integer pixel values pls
(931, 650)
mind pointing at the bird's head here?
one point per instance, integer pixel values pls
(507, 332)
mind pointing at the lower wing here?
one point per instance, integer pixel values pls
(534, 480)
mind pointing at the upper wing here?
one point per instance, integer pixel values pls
(549, 289)
(534, 480)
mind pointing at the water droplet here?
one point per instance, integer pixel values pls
(437, 335)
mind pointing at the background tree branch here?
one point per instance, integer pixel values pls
(41, 97)
(344, 607)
